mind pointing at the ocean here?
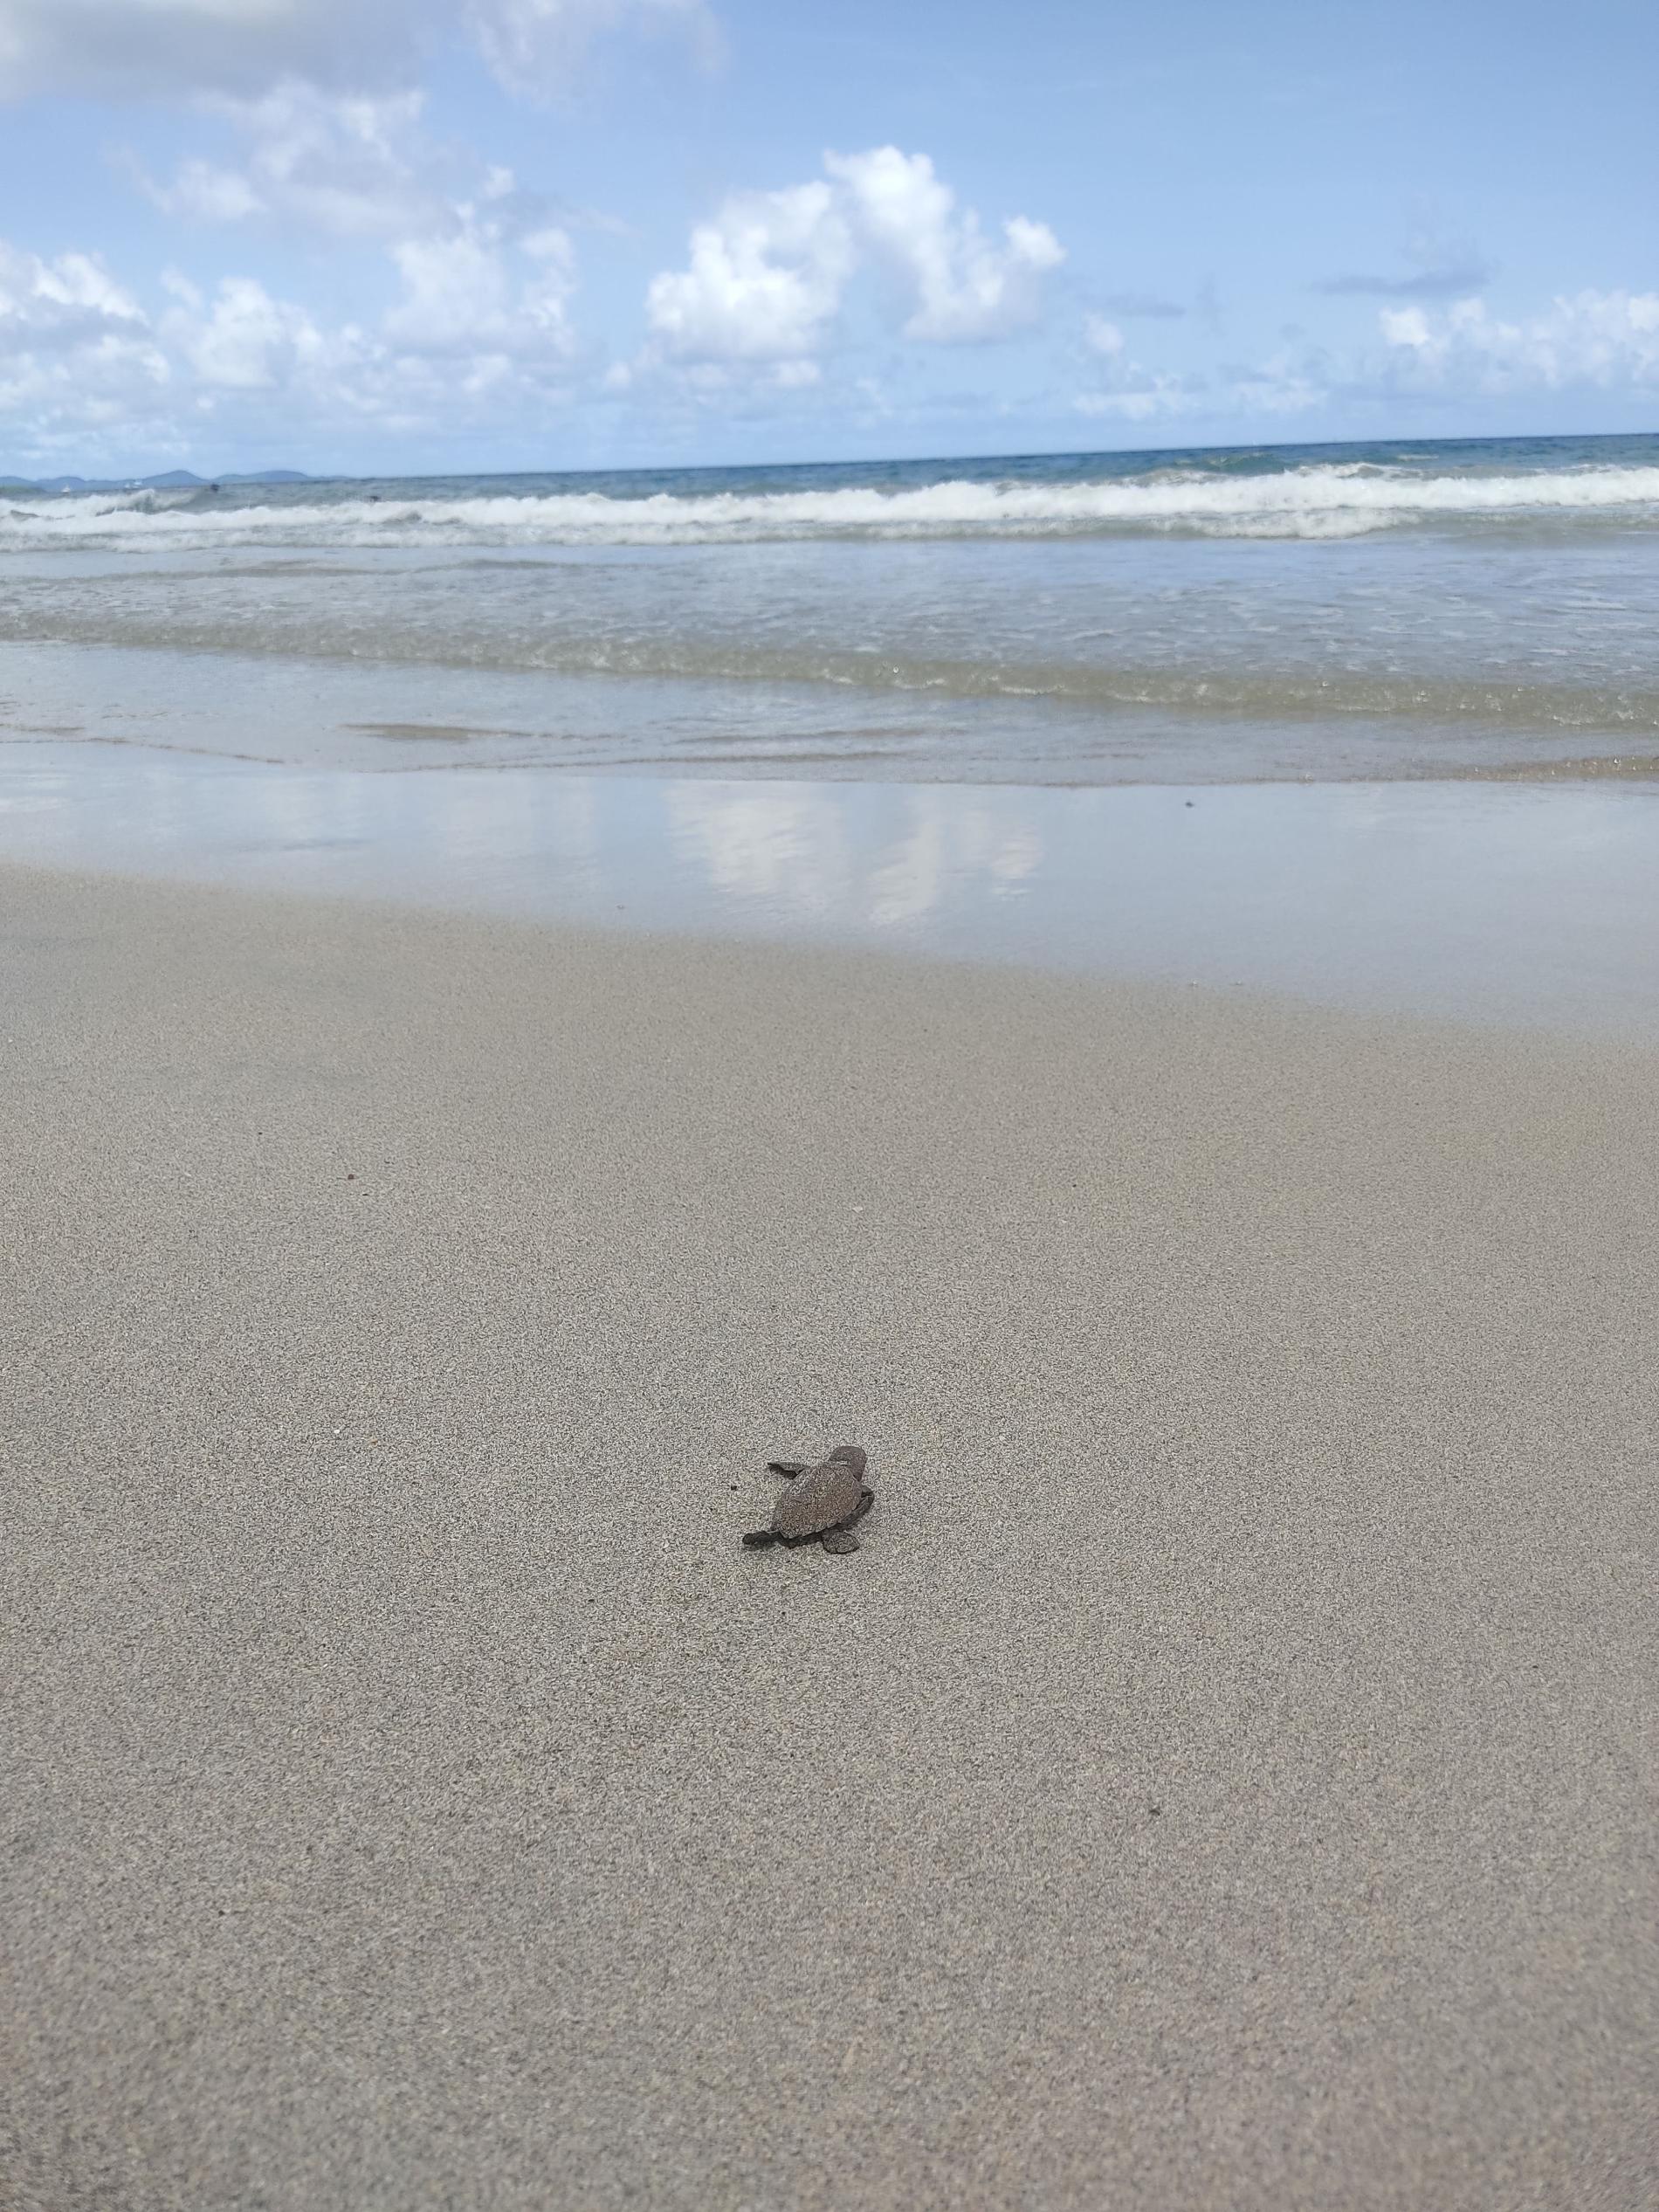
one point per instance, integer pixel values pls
(1482, 608)
(1370, 725)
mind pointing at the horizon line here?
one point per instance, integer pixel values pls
(135, 480)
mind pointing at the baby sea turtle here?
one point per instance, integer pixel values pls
(820, 1504)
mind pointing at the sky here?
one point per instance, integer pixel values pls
(402, 235)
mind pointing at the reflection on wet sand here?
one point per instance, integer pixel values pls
(789, 845)
(1507, 901)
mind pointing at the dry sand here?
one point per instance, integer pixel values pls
(1223, 1779)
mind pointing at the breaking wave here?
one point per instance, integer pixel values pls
(1323, 500)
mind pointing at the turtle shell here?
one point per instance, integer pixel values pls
(822, 1498)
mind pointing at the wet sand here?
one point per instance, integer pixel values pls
(1480, 901)
(1222, 1779)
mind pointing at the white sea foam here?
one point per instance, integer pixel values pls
(1325, 500)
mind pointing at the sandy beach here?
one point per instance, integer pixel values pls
(1223, 1779)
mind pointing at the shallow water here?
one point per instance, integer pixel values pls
(1451, 610)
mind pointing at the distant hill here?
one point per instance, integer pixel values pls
(173, 481)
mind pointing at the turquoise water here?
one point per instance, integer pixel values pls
(1455, 608)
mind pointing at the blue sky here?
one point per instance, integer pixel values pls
(424, 234)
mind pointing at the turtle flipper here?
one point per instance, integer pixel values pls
(791, 1467)
(841, 1537)
(757, 1540)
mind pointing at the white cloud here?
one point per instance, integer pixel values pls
(768, 276)
(478, 340)
(462, 294)
(966, 287)
(489, 273)
(765, 278)
(533, 44)
(1406, 326)
(172, 48)
(360, 171)
(246, 341)
(49, 306)
(347, 166)
(1586, 340)
(1604, 339)
(76, 351)
(203, 192)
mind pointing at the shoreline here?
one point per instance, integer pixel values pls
(315, 710)
(1219, 1780)
(428, 737)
